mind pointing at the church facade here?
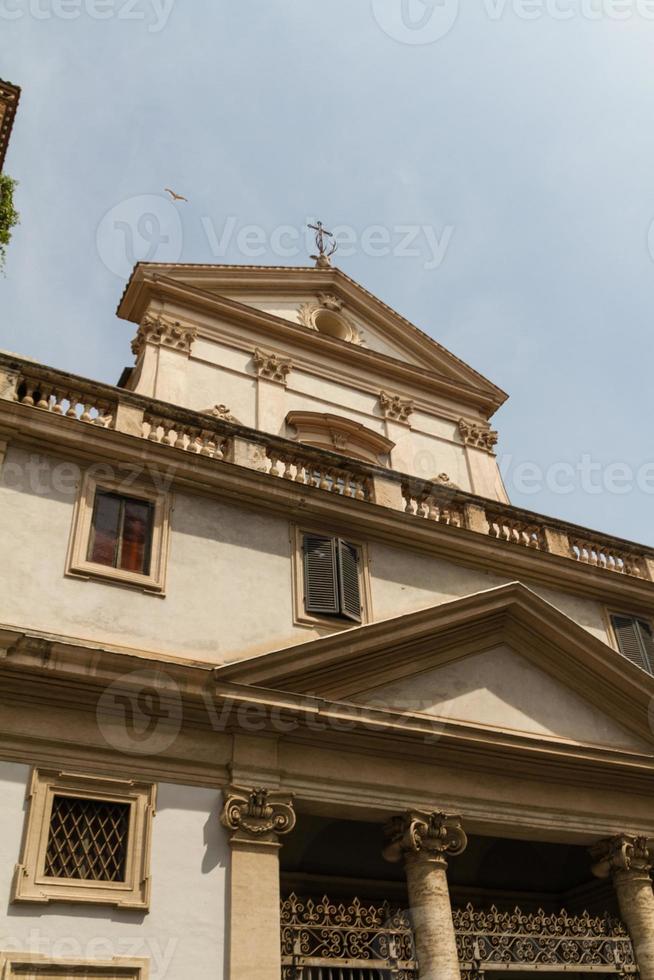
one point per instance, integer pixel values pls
(289, 689)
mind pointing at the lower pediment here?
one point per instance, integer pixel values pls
(501, 690)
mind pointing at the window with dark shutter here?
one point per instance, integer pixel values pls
(331, 577)
(635, 640)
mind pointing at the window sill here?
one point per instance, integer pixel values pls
(114, 576)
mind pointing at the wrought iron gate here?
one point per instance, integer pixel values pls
(322, 940)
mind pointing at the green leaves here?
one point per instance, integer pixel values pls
(8, 214)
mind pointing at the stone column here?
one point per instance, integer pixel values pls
(627, 861)
(422, 841)
(257, 819)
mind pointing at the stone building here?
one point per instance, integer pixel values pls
(9, 96)
(289, 688)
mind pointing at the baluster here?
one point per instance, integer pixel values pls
(288, 468)
(348, 489)
(71, 397)
(43, 395)
(86, 412)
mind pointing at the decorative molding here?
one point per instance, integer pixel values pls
(257, 814)
(330, 302)
(336, 433)
(417, 832)
(443, 480)
(271, 367)
(165, 332)
(33, 880)
(221, 412)
(395, 408)
(624, 853)
(343, 327)
(477, 437)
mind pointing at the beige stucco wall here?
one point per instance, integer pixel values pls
(220, 558)
(221, 370)
(183, 934)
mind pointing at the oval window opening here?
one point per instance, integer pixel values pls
(331, 324)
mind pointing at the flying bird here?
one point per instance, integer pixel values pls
(175, 197)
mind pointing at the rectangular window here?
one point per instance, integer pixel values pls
(33, 966)
(331, 577)
(635, 640)
(87, 839)
(121, 532)
(120, 537)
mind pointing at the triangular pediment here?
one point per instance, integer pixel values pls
(503, 659)
(503, 691)
(281, 292)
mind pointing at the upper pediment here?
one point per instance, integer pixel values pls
(322, 302)
(502, 660)
(501, 690)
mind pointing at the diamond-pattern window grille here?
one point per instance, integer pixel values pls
(87, 839)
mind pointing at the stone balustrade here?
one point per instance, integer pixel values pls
(505, 527)
(603, 554)
(222, 441)
(190, 438)
(81, 404)
(433, 505)
(311, 470)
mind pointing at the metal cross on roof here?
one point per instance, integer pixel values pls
(325, 247)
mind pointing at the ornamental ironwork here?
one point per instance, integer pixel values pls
(376, 940)
(588, 943)
(371, 939)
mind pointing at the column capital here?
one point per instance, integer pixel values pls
(257, 815)
(623, 854)
(432, 835)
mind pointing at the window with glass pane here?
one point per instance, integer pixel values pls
(121, 532)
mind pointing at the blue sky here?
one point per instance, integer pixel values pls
(513, 138)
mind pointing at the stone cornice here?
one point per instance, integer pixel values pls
(252, 487)
(72, 676)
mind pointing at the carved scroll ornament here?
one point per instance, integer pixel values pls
(478, 437)
(622, 854)
(257, 813)
(165, 332)
(432, 834)
(271, 366)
